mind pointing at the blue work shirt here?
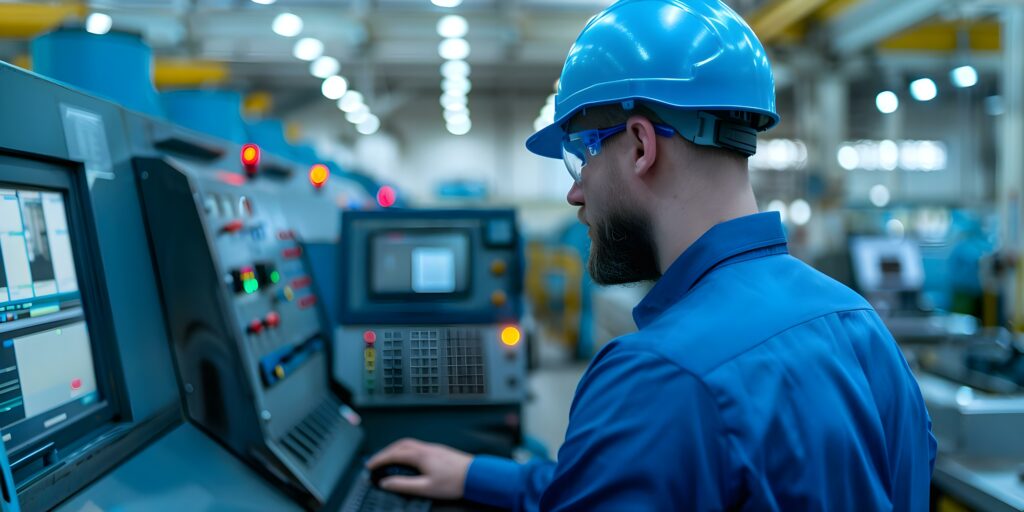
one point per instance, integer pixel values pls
(754, 383)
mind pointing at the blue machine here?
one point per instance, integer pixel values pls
(218, 113)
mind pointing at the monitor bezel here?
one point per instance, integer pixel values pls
(31, 172)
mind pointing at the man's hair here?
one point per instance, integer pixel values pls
(605, 116)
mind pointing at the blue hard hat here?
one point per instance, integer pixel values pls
(694, 55)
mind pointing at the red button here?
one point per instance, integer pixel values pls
(301, 282)
(292, 252)
(233, 226)
(255, 327)
(370, 337)
(307, 301)
(273, 319)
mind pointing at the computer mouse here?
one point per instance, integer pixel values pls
(382, 472)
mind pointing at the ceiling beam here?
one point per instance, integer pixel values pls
(866, 24)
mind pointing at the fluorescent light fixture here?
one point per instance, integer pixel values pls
(457, 86)
(964, 76)
(887, 102)
(456, 116)
(452, 25)
(923, 89)
(449, 99)
(351, 101)
(453, 49)
(800, 212)
(369, 126)
(287, 24)
(446, 3)
(324, 67)
(460, 128)
(358, 115)
(308, 48)
(334, 87)
(263, 2)
(455, 68)
(778, 206)
(98, 23)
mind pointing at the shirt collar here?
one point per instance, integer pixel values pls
(753, 236)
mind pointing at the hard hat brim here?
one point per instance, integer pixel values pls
(547, 142)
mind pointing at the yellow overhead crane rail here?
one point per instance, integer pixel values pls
(942, 36)
(786, 20)
(24, 20)
(171, 73)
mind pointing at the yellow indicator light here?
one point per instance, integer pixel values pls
(279, 371)
(510, 336)
(369, 359)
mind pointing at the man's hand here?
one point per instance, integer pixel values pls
(442, 469)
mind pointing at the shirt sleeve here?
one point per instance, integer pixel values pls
(643, 434)
(506, 484)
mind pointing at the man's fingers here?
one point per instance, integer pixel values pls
(401, 452)
(415, 485)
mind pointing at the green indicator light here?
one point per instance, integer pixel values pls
(250, 286)
(275, 276)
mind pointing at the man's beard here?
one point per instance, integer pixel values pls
(622, 250)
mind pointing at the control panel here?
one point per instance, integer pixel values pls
(245, 323)
(430, 308)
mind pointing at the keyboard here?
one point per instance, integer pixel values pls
(365, 497)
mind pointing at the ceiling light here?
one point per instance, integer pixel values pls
(369, 126)
(887, 102)
(456, 107)
(453, 49)
(457, 86)
(452, 25)
(334, 87)
(964, 76)
(923, 89)
(308, 48)
(778, 206)
(351, 101)
(460, 128)
(324, 67)
(449, 99)
(879, 195)
(848, 157)
(98, 23)
(358, 115)
(800, 212)
(287, 24)
(446, 3)
(455, 68)
(263, 2)
(539, 124)
(456, 116)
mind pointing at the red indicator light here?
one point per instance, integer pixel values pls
(250, 158)
(76, 384)
(301, 282)
(370, 337)
(291, 253)
(307, 301)
(386, 196)
(255, 326)
(233, 226)
(318, 175)
(273, 319)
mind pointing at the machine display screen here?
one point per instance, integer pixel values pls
(419, 262)
(47, 374)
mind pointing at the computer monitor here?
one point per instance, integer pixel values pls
(419, 264)
(53, 388)
(884, 264)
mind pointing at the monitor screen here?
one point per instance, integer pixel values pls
(887, 264)
(419, 262)
(47, 376)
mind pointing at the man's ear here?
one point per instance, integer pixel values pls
(644, 144)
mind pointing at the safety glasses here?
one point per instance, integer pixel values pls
(578, 147)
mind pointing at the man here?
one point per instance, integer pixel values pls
(754, 382)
